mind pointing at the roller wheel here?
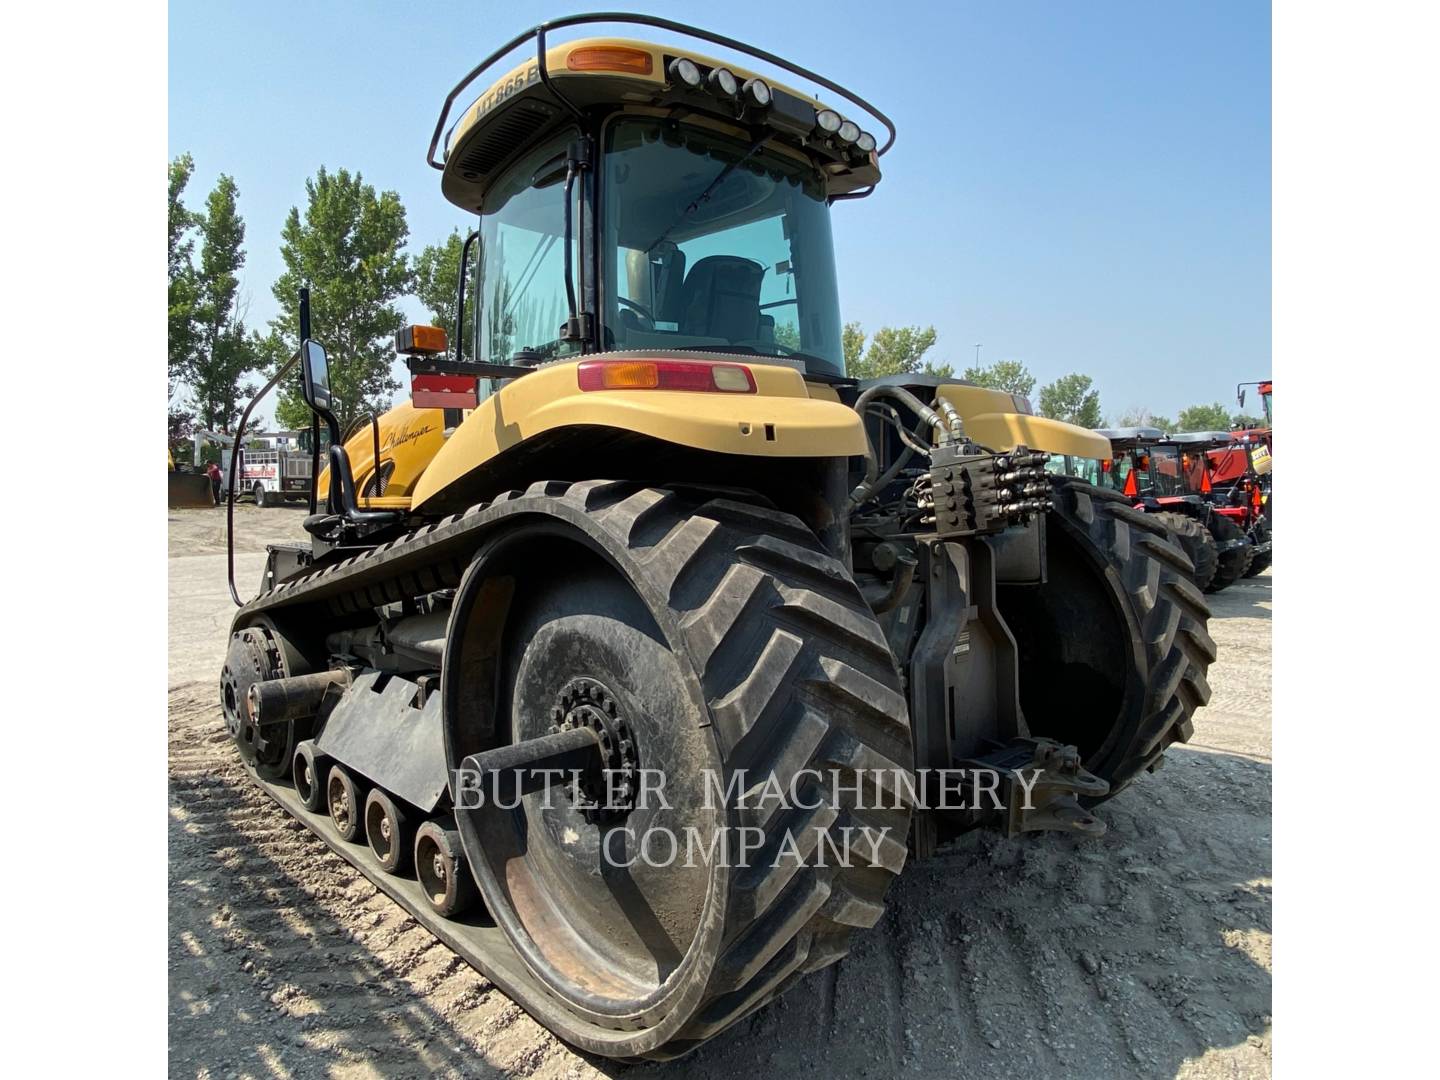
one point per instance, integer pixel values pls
(388, 832)
(1195, 540)
(345, 803)
(1233, 563)
(1114, 647)
(311, 773)
(443, 870)
(724, 638)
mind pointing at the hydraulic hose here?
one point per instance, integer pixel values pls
(872, 463)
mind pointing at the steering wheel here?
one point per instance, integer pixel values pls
(641, 308)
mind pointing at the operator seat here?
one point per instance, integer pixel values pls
(721, 299)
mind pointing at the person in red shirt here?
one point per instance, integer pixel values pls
(214, 473)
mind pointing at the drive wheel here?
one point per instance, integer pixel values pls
(258, 653)
(713, 645)
(1234, 562)
(259, 492)
(1195, 540)
(1114, 646)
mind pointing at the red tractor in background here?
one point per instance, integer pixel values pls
(1232, 469)
(1264, 387)
(1172, 482)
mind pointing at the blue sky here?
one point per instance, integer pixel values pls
(1078, 186)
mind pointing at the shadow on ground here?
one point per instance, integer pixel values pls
(1247, 598)
(1143, 953)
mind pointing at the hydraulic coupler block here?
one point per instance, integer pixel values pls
(969, 491)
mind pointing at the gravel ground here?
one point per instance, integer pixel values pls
(1145, 953)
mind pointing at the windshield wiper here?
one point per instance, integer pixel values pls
(704, 196)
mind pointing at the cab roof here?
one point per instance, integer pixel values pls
(597, 75)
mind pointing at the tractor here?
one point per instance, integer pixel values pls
(642, 647)
(1171, 482)
(1233, 470)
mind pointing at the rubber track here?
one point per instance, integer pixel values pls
(797, 675)
(1195, 540)
(1154, 582)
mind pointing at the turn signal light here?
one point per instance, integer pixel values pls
(611, 58)
(665, 375)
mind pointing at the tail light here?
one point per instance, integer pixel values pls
(444, 391)
(665, 375)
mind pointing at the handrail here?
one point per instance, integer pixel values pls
(539, 32)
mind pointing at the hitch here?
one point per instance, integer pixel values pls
(1052, 802)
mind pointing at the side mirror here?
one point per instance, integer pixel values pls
(1241, 397)
(316, 369)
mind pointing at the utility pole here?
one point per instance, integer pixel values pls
(977, 354)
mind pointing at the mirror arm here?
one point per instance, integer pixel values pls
(235, 452)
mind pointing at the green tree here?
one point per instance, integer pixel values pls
(223, 353)
(787, 336)
(894, 350)
(182, 274)
(852, 343)
(348, 248)
(1204, 418)
(1245, 420)
(1010, 376)
(437, 283)
(1071, 399)
(1139, 416)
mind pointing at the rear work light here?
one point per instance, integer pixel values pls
(665, 375)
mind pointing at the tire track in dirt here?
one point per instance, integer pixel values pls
(1144, 953)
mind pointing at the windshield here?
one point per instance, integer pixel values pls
(711, 242)
(520, 279)
(1166, 473)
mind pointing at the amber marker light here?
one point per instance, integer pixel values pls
(618, 58)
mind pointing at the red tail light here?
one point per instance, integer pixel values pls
(1131, 488)
(1205, 481)
(690, 375)
(443, 391)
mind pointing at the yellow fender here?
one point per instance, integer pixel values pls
(992, 418)
(409, 437)
(780, 420)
